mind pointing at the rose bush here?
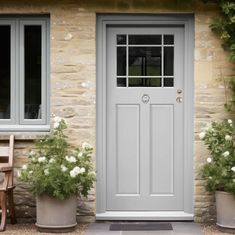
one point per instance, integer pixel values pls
(219, 170)
(55, 169)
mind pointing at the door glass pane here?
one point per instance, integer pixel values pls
(168, 82)
(121, 61)
(121, 39)
(145, 39)
(144, 61)
(144, 82)
(5, 71)
(168, 39)
(33, 83)
(168, 61)
(121, 82)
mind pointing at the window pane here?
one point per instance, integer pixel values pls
(144, 61)
(121, 61)
(33, 45)
(168, 82)
(121, 39)
(121, 82)
(145, 39)
(144, 82)
(5, 72)
(168, 39)
(168, 61)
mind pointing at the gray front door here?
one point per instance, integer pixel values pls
(145, 121)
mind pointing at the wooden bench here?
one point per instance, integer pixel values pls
(6, 187)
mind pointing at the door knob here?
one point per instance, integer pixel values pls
(179, 99)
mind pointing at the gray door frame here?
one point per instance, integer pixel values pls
(103, 21)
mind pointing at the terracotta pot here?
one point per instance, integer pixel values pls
(225, 208)
(54, 215)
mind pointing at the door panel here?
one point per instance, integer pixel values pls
(161, 157)
(127, 156)
(144, 118)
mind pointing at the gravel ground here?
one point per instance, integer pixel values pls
(215, 230)
(27, 229)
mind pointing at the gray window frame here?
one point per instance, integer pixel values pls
(17, 122)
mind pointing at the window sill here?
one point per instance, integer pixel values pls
(24, 132)
(23, 135)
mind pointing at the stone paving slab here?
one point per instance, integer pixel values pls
(179, 228)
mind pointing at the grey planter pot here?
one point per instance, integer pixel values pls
(54, 215)
(225, 208)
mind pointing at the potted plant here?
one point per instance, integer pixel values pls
(219, 170)
(56, 175)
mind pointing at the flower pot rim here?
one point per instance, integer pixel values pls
(223, 192)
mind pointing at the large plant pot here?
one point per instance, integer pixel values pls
(54, 215)
(225, 208)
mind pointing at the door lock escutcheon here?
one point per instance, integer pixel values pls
(179, 91)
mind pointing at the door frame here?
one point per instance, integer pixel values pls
(103, 21)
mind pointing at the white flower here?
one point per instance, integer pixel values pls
(31, 153)
(51, 160)
(63, 168)
(30, 172)
(228, 137)
(34, 159)
(209, 160)
(233, 180)
(76, 169)
(46, 172)
(56, 125)
(24, 167)
(202, 135)
(41, 159)
(73, 173)
(80, 154)
(230, 121)
(233, 168)
(86, 145)
(225, 154)
(82, 170)
(57, 119)
(210, 177)
(70, 159)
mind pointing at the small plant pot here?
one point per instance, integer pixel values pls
(225, 208)
(54, 215)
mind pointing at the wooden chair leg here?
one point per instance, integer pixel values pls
(11, 206)
(4, 211)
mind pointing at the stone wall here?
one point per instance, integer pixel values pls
(73, 80)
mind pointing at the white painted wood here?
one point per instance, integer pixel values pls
(127, 126)
(144, 168)
(104, 22)
(145, 215)
(162, 157)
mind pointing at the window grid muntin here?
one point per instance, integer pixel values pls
(162, 45)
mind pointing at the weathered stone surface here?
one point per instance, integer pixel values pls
(73, 81)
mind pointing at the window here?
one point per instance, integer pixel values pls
(145, 60)
(24, 74)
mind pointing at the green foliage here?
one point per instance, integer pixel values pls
(219, 171)
(224, 26)
(57, 171)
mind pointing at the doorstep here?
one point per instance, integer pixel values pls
(179, 228)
